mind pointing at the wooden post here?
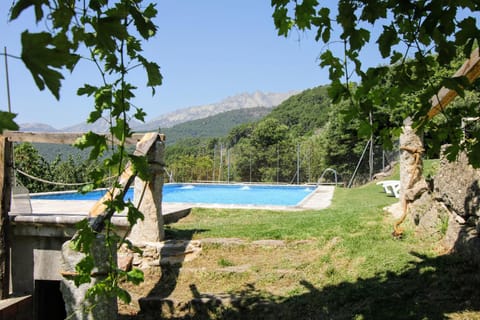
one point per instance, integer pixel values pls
(5, 198)
(470, 69)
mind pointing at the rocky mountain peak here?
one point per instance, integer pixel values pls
(240, 101)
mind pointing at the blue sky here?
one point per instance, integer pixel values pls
(207, 50)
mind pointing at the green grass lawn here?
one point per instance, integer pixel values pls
(337, 263)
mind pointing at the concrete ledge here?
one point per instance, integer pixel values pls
(53, 221)
(71, 220)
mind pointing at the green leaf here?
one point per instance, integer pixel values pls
(94, 116)
(143, 21)
(358, 38)
(474, 155)
(131, 247)
(95, 4)
(387, 39)
(337, 91)
(153, 73)
(335, 65)
(322, 21)
(133, 214)
(107, 30)
(62, 17)
(120, 130)
(140, 115)
(44, 56)
(140, 166)
(117, 204)
(447, 51)
(97, 142)
(282, 21)
(103, 97)
(396, 57)
(373, 10)
(123, 295)
(135, 276)
(304, 12)
(133, 46)
(86, 90)
(21, 5)
(84, 237)
(467, 30)
(364, 129)
(84, 269)
(6, 121)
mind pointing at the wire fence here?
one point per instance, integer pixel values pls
(296, 164)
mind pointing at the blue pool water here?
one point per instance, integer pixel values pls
(211, 194)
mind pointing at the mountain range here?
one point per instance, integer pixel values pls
(240, 101)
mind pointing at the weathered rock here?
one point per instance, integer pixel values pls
(269, 243)
(411, 147)
(451, 210)
(416, 191)
(76, 305)
(430, 216)
(125, 261)
(224, 241)
(167, 252)
(456, 184)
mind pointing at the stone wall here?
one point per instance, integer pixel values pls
(450, 210)
(457, 185)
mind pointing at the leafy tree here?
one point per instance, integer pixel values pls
(314, 152)
(269, 133)
(416, 37)
(191, 159)
(28, 160)
(239, 132)
(262, 152)
(58, 174)
(341, 144)
(72, 172)
(203, 167)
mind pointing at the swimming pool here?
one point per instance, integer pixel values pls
(234, 194)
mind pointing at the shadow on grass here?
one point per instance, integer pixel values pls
(430, 289)
(172, 233)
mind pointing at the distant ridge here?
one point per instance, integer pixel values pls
(37, 127)
(240, 101)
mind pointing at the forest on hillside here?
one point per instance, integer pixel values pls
(307, 134)
(295, 143)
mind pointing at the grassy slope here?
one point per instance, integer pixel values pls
(338, 263)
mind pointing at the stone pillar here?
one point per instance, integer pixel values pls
(6, 164)
(151, 228)
(411, 149)
(76, 305)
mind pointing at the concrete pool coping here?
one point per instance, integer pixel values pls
(70, 212)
